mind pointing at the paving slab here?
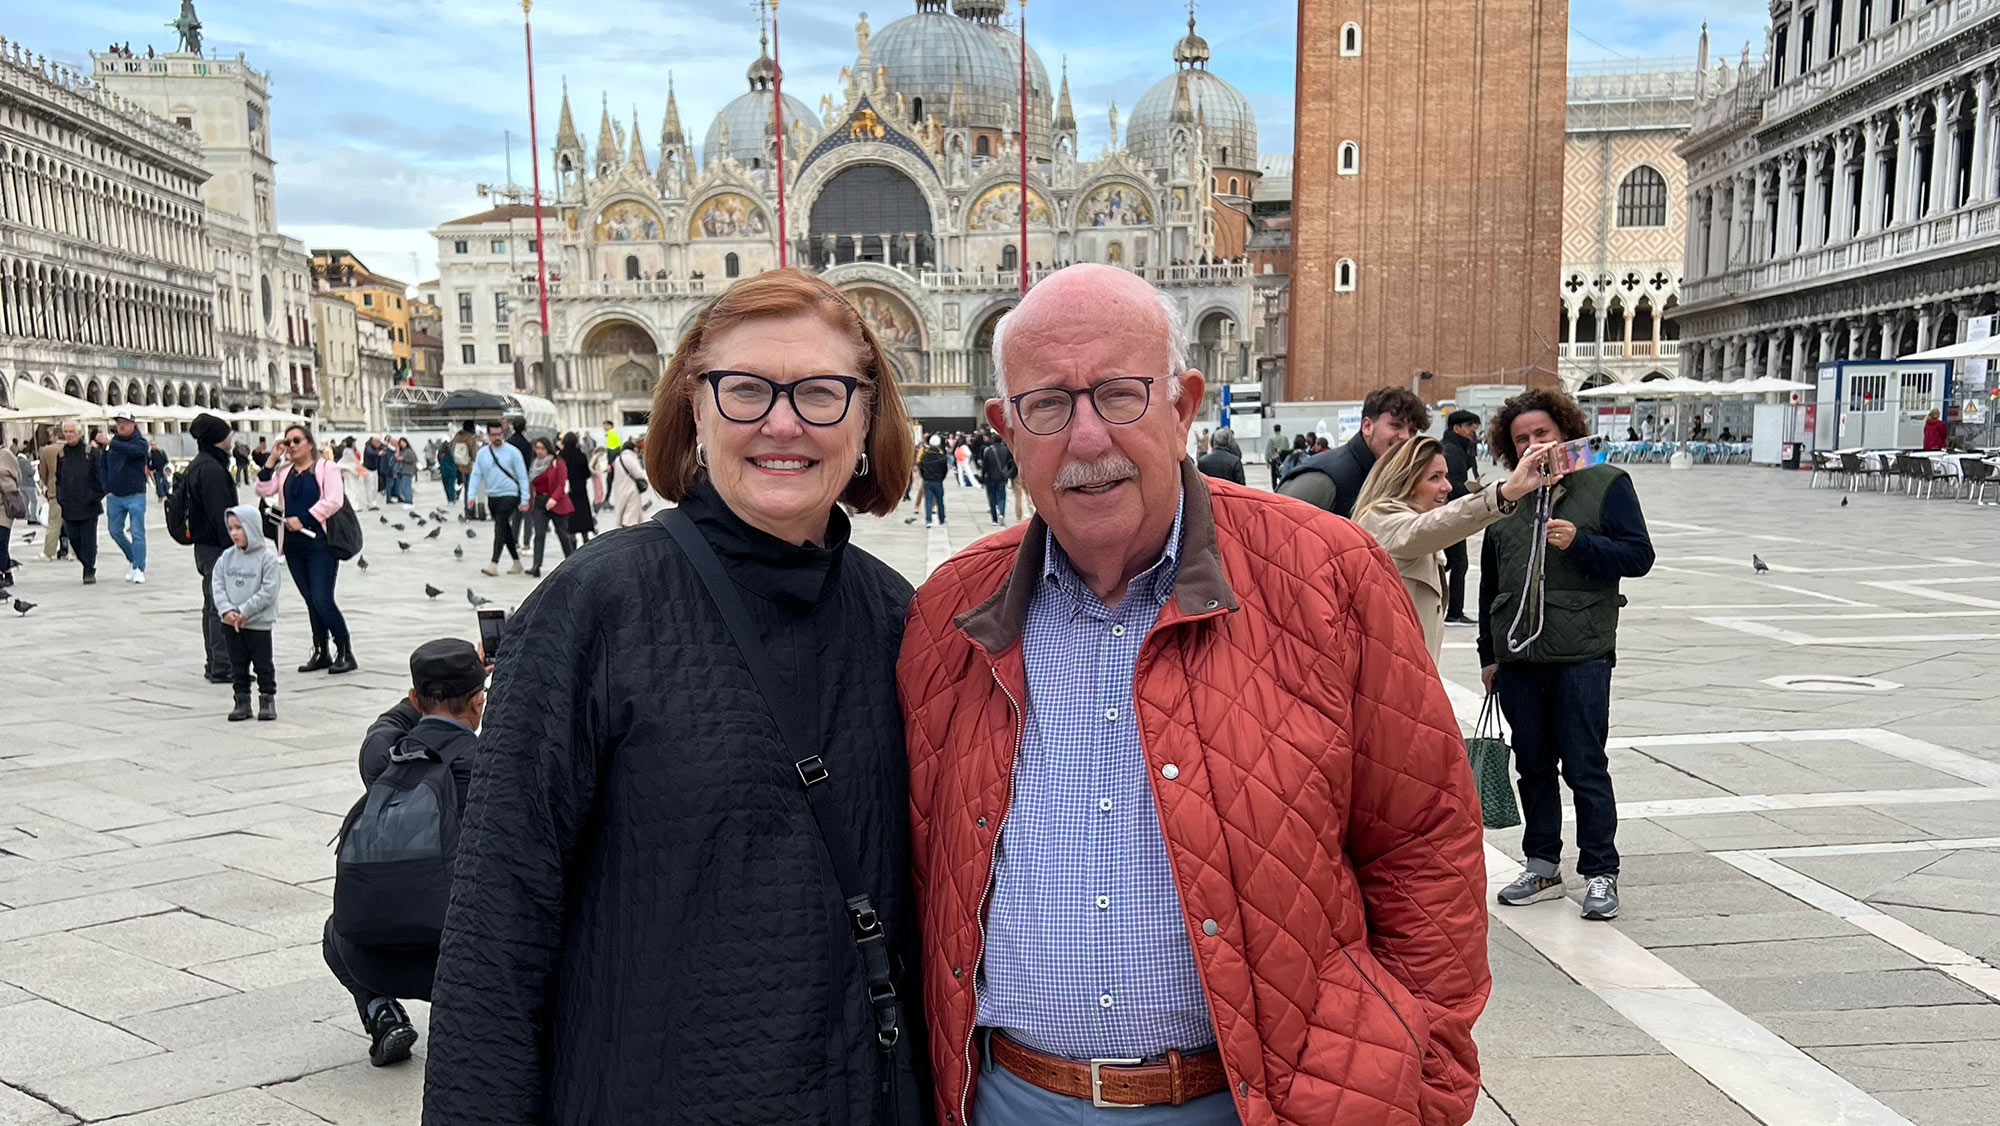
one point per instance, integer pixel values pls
(1768, 959)
(97, 980)
(309, 1000)
(360, 1094)
(233, 1108)
(40, 1038)
(218, 1067)
(1913, 1067)
(1567, 1092)
(1929, 1024)
(17, 1108)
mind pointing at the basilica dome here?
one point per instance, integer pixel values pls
(1229, 124)
(748, 116)
(931, 52)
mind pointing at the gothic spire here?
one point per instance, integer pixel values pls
(566, 137)
(1065, 113)
(670, 133)
(607, 139)
(637, 157)
(1183, 112)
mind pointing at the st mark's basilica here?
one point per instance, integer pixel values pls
(903, 190)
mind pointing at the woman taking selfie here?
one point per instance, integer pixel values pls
(308, 491)
(650, 914)
(1406, 505)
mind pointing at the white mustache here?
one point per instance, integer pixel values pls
(1085, 474)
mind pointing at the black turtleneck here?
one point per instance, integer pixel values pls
(795, 577)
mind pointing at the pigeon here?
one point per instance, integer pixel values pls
(361, 561)
(472, 533)
(434, 533)
(432, 591)
(420, 521)
(403, 545)
(458, 553)
(398, 527)
(22, 608)
(383, 519)
(1843, 502)
(1759, 564)
(477, 602)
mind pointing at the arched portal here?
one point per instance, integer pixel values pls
(897, 328)
(1215, 348)
(984, 383)
(623, 358)
(870, 213)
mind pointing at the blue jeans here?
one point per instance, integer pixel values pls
(314, 570)
(1560, 716)
(131, 510)
(996, 500)
(1001, 1098)
(933, 498)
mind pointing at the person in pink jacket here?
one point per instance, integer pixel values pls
(308, 492)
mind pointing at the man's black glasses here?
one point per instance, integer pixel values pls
(819, 400)
(1120, 400)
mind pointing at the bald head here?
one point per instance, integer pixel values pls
(1082, 303)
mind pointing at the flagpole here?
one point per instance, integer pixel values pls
(547, 384)
(778, 129)
(1023, 139)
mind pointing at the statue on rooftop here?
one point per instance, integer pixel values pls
(188, 27)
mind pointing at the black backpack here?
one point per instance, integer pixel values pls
(178, 528)
(393, 859)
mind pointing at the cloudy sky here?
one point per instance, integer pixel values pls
(385, 117)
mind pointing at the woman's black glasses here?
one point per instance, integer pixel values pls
(1119, 401)
(820, 400)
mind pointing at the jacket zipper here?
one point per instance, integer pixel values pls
(992, 865)
(1407, 1030)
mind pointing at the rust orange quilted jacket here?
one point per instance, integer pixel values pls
(1321, 812)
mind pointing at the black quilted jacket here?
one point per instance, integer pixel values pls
(644, 927)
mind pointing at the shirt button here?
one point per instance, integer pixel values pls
(1111, 713)
(1104, 804)
(1118, 631)
(1104, 1002)
(1170, 772)
(1209, 927)
(1103, 902)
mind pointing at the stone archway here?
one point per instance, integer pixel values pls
(985, 381)
(896, 325)
(623, 359)
(1215, 351)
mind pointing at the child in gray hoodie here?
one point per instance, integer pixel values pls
(245, 587)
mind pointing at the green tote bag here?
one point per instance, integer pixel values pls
(1490, 770)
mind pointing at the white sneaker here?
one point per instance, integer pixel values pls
(138, 576)
(129, 572)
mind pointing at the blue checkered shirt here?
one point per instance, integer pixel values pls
(1087, 955)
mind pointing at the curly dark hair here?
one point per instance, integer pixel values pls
(1399, 403)
(1561, 408)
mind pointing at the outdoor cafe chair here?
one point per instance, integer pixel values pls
(1858, 469)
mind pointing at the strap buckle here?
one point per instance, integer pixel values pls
(812, 771)
(1097, 1083)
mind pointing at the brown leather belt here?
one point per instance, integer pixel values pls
(1115, 1083)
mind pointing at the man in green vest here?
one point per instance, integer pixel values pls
(1555, 685)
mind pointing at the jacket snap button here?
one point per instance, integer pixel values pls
(1170, 772)
(958, 971)
(982, 822)
(1242, 1088)
(1212, 603)
(1209, 927)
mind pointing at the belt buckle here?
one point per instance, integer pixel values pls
(1097, 1083)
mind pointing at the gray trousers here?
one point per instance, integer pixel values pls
(1001, 1098)
(212, 629)
(52, 532)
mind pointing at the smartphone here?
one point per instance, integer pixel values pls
(492, 624)
(1581, 454)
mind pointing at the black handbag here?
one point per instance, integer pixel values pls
(869, 938)
(343, 532)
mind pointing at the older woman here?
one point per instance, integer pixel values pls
(654, 914)
(628, 468)
(309, 490)
(1406, 505)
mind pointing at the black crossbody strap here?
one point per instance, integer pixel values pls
(869, 938)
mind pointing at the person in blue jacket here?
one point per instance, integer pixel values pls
(499, 474)
(123, 467)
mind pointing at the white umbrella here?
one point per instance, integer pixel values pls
(1988, 348)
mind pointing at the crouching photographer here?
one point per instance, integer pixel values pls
(393, 874)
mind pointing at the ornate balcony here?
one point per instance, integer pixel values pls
(1952, 232)
(1915, 33)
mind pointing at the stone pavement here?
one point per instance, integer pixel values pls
(1811, 877)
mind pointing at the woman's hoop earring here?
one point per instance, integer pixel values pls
(700, 457)
(862, 469)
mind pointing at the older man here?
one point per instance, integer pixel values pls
(1193, 825)
(79, 490)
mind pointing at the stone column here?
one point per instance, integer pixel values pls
(1941, 162)
(1982, 148)
(1843, 202)
(1924, 328)
(1744, 206)
(1902, 201)
(1885, 348)
(1813, 235)
(1798, 352)
(1786, 243)
(1871, 177)
(1753, 357)
(1759, 243)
